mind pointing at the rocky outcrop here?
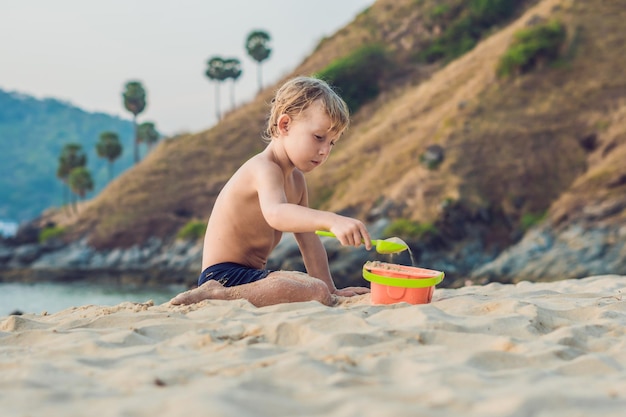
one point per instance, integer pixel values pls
(456, 250)
(155, 261)
(574, 251)
(175, 262)
(463, 247)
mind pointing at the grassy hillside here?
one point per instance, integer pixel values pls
(32, 134)
(516, 145)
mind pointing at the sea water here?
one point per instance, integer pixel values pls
(8, 228)
(54, 297)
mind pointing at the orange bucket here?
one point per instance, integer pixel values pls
(391, 283)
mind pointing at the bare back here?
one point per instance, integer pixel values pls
(237, 230)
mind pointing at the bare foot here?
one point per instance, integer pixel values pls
(208, 290)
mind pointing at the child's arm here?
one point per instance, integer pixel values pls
(316, 263)
(315, 258)
(299, 218)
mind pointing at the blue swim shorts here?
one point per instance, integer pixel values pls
(230, 274)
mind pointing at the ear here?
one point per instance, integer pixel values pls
(283, 124)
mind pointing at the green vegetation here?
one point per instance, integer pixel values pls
(463, 27)
(220, 70)
(110, 148)
(356, 76)
(215, 72)
(80, 181)
(258, 47)
(72, 171)
(406, 228)
(232, 67)
(148, 134)
(529, 220)
(72, 157)
(33, 133)
(193, 230)
(439, 11)
(538, 44)
(135, 102)
(50, 232)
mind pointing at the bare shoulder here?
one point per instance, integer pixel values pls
(263, 160)
(263, 168)
(257, 166)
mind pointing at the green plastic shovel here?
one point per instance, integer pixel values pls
(387, 246)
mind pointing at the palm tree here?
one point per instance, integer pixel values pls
(148, 134)
(257, 45)
(72, 157)
(80, 182)
(215, 71)
(232, 67)
(135, 102)
(110, 148)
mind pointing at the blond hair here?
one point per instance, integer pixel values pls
(297, 94)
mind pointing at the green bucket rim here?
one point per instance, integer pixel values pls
(402, 282)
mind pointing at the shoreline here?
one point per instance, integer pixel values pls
(135, 276)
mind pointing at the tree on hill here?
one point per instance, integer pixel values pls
(110, 148)
(135, 102)
(80, 182)
(37, 130)
(258, 47)
(232, 68)
(358, 74)
(215, 72)
(148, 134)
(72, 157)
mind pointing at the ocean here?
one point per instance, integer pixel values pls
(8, 228)
(54, 297)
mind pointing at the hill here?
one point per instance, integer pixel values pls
(32, 134)
(545, 145)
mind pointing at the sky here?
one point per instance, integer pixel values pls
(84, 51)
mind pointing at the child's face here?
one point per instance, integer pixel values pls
(308, 139)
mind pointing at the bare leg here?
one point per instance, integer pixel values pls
(278, 287)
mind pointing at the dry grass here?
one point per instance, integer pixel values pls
(512, 143)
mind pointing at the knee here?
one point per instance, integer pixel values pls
(320, 292)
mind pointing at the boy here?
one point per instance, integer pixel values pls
(268, 196)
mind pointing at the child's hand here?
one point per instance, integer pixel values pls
(351, 232)
(352, 291)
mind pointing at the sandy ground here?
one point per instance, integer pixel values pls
(549, 349)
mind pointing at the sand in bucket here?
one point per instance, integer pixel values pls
(392, 283)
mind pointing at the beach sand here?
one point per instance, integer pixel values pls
(531, 349)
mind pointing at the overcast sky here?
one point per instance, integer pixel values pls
(84, 51)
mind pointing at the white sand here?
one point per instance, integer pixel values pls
(554, 350)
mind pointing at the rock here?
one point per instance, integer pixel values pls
(589, 142)
(26, 254)
(574, 252)
(433, 156)
(461, 249)
(27, 233)
(131, 257)
(73, 256)
(5, 254)
(113, 258)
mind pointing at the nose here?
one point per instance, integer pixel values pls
(324, 149)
